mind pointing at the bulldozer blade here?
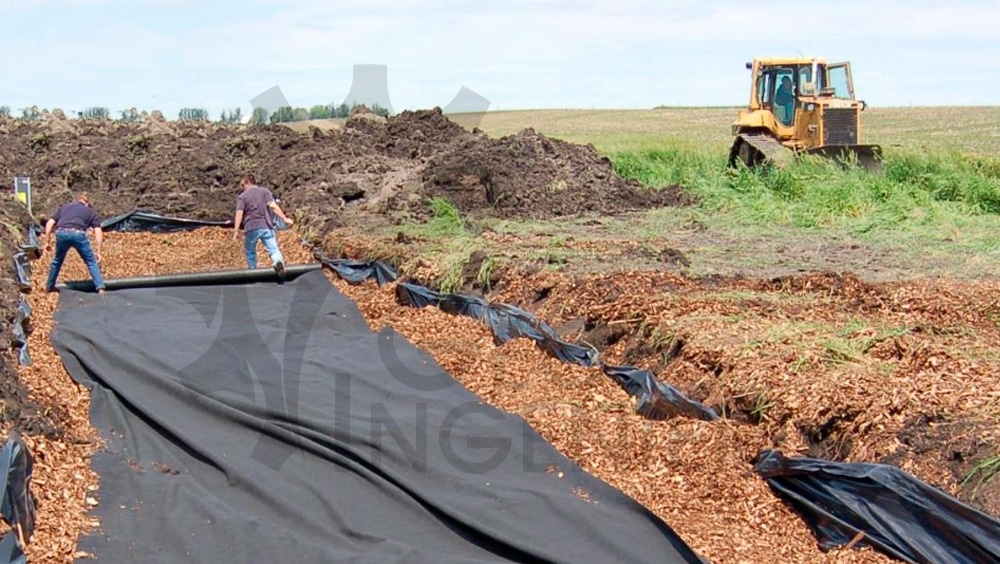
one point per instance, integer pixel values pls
(868, 156)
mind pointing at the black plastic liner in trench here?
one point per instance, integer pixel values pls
(884, 507)
(17, 507)
(29, 251)
(873, 505)
(655, 399)
(140, 220)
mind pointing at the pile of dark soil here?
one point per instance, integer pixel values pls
(371, 166)
(531, 174)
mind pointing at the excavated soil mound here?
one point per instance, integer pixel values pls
(373, 165)
(531, 174)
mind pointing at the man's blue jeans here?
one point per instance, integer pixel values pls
(270, 241)
(65, 240)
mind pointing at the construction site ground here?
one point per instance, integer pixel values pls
(818, 345)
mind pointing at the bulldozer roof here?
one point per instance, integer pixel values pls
(787, 61)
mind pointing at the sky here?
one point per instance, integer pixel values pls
(516, 54)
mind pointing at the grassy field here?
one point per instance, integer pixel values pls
(935, 212)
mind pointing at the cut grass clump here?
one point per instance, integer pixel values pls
(986, 470)
(447, 219)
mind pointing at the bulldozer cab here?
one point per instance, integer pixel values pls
(785, 88)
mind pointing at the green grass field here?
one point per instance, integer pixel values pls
(935, 211)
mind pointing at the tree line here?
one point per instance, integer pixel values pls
(259, 116)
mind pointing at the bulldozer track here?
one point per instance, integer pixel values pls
(767, 149)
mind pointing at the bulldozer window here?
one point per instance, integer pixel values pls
(764, 88)
(839, 82)
(784, 97)
(805, 76)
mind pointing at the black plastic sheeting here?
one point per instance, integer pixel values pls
(898, 514)
(29, 251)
(655, 399)
(269, 423)
(18, 503)
(140, 220)
(356, 271)
(20, 333)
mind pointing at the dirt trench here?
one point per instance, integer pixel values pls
(823, 364)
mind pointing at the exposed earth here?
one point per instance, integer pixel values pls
(373, 166)
(822, 363)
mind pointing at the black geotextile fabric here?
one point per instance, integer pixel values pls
(140, 220)
(268, 423)
(898, 514)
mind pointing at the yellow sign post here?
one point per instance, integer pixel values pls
(22, 189)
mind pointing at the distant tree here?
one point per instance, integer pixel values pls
(259, 116)
(4, 111)
(31, 113)
(193, 114)
(320, 112)
(286, 114)
(231, 116)
(130, 115)
(283, 115)
(95, 112)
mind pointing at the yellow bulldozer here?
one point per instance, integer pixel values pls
(801, 105)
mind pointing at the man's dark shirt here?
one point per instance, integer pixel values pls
(76, 215)
(254, 201)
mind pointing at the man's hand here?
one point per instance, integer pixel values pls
(97, 257)
(236, 234)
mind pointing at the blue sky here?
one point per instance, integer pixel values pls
(517, 54)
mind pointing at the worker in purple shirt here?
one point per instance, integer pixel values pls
(254, 207)
(70, 224)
